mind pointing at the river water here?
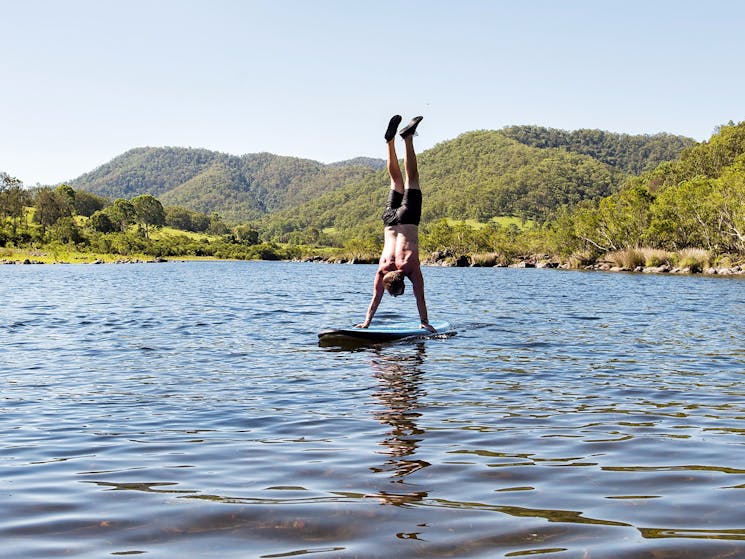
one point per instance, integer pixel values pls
(186, 410)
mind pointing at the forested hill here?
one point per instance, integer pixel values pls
(238, 188)
(696, 200)
(632, 154)
(371, 162)
(479, 175)
(523, 171)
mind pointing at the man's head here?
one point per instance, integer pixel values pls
(394, 283)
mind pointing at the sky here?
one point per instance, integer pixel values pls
(82, 81)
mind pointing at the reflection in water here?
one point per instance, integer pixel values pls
(399, 375)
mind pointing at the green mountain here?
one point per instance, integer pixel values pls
(709, 159)
(632, 154)
(238, 188)
(523, 171)
(370, 162)
(479, 175)
(696, 200)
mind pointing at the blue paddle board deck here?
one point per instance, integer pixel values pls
(383, 333)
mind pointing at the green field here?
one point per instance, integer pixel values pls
(165, 232)
(502, 221)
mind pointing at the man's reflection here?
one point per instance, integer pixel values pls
(399, 375)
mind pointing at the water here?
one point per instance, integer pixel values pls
(185, 409)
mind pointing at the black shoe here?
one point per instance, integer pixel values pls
(390, 133)
(410, 129)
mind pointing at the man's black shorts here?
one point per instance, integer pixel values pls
(403, 209)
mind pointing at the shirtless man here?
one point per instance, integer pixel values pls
(400, 257)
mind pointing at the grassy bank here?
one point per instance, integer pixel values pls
(42, 256)
(649, 260)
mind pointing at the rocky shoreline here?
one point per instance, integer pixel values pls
(448, 260)
(667, 269)
(28, 261)
(545, 261)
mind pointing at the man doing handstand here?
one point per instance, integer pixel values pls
(400, 257)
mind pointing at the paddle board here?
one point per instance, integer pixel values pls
(384, 332)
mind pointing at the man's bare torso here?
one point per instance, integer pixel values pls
(401, 249)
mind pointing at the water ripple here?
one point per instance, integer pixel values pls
(186, 409)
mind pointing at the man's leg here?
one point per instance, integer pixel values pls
(394, 170)
(396, 192)
(410, 166)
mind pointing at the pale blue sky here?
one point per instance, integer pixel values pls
(82, 81)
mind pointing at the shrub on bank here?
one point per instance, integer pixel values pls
(695, 259)
(627, 259)
(489, 259)
(654, 258)
(582, 258)
(633, 258)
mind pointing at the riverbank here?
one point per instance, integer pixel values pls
(692, 261)
(667, 269)
(28, 257)
(637, 260)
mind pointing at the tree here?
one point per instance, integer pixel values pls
(583, 224)
(179, 218)
(149, 212)
(65, 230)
(87, 204)
(186, 220)
(682, 216)
(624, 218)
(122, 214)
(101, 222)
(13, 199)
(66, 195)
(217, 227)
(246, 235)
(728, 204)
(361, 249)
(50, 206)
(436, 235)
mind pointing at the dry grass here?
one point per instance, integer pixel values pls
(654, 257)
(489, 259)
(581, 259)
(627, 259)
(695, 259)
(633, 258)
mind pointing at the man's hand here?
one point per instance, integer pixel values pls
(362, 325)
(428, 327)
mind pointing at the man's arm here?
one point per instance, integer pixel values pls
(417, 282)
(377, 296)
